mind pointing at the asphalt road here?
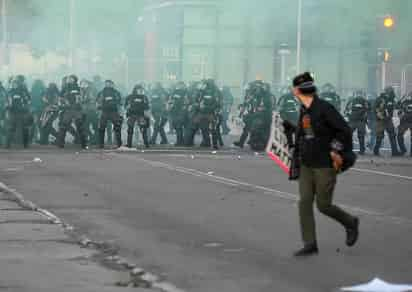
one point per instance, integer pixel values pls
(225, 221)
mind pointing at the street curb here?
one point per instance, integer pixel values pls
(25, 204)
(137, 275)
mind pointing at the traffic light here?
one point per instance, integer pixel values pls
(388, 22)
(384, 55)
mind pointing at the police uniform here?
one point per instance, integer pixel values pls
(137, 106)
(246, 115)
(405, 113)
(88, 97)
(333, 98)
(18, 115)
(177, 111)
(49, 115)
(384, 108)
(288, 110)
(371, 121)
(209, 107)
(109, 100)
(261, 118)
(193, 114)
(228, 100)
(159, 113)
(3, 103)
(357, 111)
(71, 112)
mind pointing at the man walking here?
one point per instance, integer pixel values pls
(324, 145)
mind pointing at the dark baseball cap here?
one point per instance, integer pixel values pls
(305, 83)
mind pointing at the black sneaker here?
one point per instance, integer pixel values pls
(352, 234)
(307, 250)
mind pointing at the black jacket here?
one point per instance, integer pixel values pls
(319, 128)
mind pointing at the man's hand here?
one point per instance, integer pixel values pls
(337, 161)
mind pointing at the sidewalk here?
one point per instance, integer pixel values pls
(38, 255)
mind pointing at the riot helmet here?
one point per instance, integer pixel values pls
(328, 87)
(139, 90)
(109, 84)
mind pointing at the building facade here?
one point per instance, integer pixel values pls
(195, 39)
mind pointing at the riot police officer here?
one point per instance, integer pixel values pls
(245, 114)
(71, 108)
(137, 106)
(3, 102)
(228, 101)
(384, 109)
(158, 100)
(405, 114)
(108, 102)
(177, 110)
(88, 98)
(49, 114)
(38, 91)
(209, 107)
(357, 112)
(193, 115)
(18, 113)
(371, 121)
(288, 107)
(328, 93)
(262, 102)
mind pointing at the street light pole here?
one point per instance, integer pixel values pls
(383, 76)
(283, 52)
(299, 38)
(4, 30)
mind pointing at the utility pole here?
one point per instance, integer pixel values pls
(299, 38)
(71, 34)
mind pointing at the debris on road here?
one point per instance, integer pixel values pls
(137, 272)
(213, 244)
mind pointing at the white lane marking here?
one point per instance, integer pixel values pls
(234, 250)
(221, 179)
(382, 173)
(266, 190)
(12, 169)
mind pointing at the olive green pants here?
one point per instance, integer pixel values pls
(319, 184)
